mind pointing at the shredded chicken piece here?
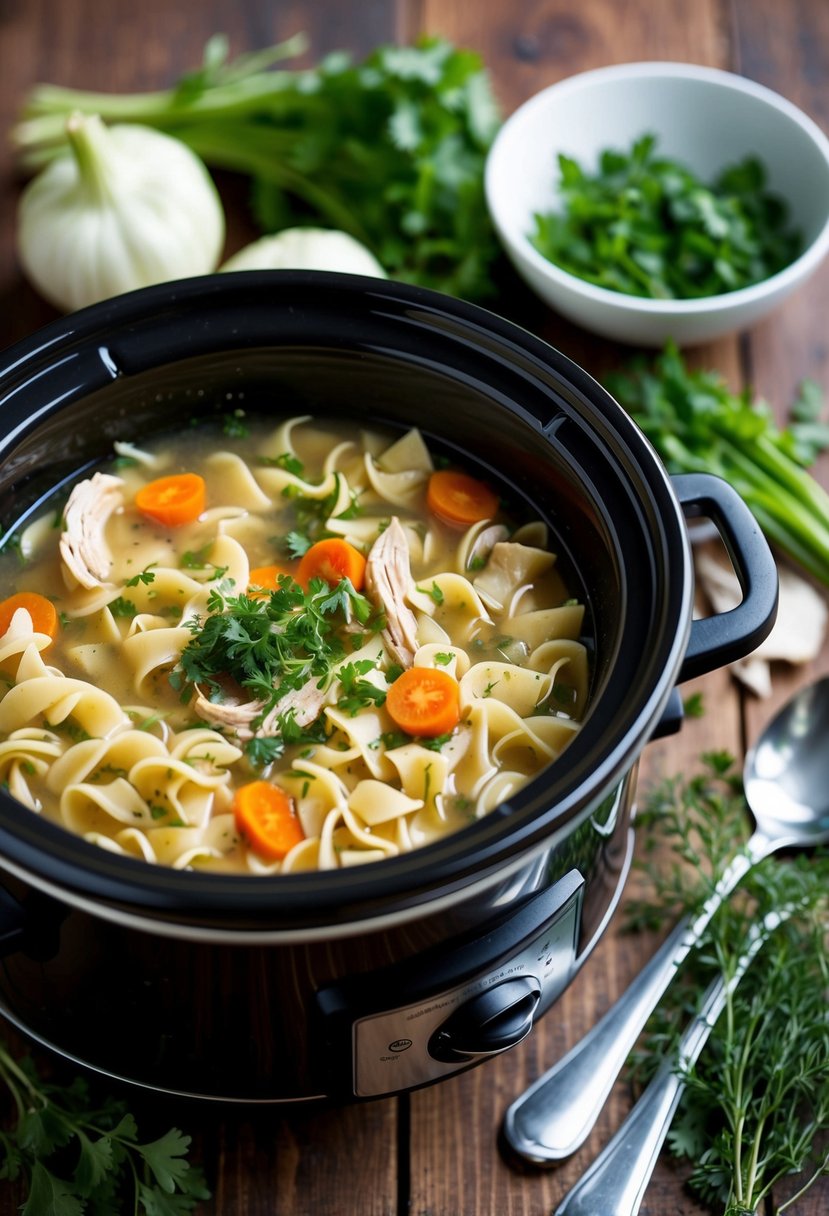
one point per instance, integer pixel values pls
(388, 582)
(306, 703)
(86, 556)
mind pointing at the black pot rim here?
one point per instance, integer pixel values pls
(53, 857)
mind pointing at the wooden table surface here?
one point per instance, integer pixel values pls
(434, 1152)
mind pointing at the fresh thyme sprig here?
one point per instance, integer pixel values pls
(756, 1105)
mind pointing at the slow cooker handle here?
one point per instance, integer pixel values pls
(716, 641)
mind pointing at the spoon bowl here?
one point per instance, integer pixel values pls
(786, 773)
(786, 780)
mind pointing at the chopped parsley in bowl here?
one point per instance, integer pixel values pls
(646, 225)
(656, 202)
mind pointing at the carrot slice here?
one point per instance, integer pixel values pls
(424, 701)
(332, 559)
(265, 816)
(42, 611)
(457, 498)
(264, 579)
(174, 500)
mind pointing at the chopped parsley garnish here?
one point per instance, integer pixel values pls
(645, 225)
(269, 647)
(358, 693)
(234, 427)
(434, 591)
(287, 461)
(122, 607)
(146, 577)
(197, 559)
(296, 544)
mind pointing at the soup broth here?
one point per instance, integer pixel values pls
(282, 648)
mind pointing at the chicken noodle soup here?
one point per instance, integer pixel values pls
(282, 649)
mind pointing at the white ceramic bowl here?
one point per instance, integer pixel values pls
(702, 117)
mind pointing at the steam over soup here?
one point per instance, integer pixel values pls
(282, 649)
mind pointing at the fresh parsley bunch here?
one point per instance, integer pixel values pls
(697, 424)
(83, 1159)
(390, 150)
(755, 1111)
(646, 225)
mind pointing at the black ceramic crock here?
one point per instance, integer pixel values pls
(147, 973)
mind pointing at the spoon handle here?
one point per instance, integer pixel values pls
(616, 1181)
(555, 1114)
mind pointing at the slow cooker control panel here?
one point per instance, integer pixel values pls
(503, 981)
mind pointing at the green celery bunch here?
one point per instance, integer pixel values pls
(390, 150)
(697, 424)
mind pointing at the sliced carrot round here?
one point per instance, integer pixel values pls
(42, 611)
(424, 701)
(266, 817)
(332, 559)
(265, 578)
(174, 500)
(458, 498)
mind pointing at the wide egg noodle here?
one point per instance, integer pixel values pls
(150, 651)
(454, 603)
(317, 792)
(445, 657)
(534, 628)
(81, 760)
(399, 473)
(510, 566)
(19, 637)
(186, 777)
(26, 756)
(566, 662)
(56, 698)
(423, 775)
(363, 733)
(235, 482)
(519, 687)
(376, 802)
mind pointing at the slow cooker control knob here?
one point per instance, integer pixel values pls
(495, 1019)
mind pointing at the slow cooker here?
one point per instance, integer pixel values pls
(371, 980)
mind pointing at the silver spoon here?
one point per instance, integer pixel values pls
(617, 1180)
(786, 777)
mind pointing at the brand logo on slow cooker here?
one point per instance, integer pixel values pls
(400, 1045)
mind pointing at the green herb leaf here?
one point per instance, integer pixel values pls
(358, 693)
(50, 1196)
(145, 577)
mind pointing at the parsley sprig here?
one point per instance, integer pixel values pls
(78, 1157)
(756, 1105)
